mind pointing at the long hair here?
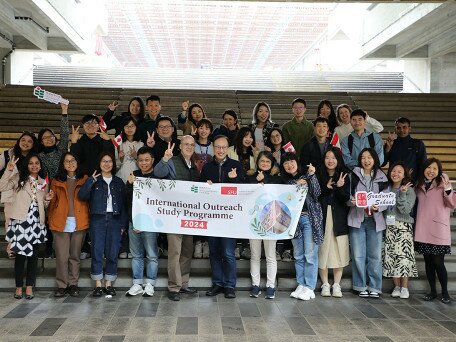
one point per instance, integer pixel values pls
(427, 163)
(40, 138)
(125, 122)
(238, 146)
(327, 103)
(374, 155)
(17, 150)
(142, 108)
(407, 177)
(24, 171)
(62, 173)
(102, 155)
(322, 172)
(256, 109)
(269, 143)
(190, 108)
(339, 107)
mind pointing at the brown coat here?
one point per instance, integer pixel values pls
(58, 208)
(23, 198)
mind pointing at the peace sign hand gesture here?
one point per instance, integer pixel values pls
(446, 184)
(405, 187)
(104, 135)
(95, 175)
(232, 174)
(12, 163)
(169, 152)
(194, 130)
(150, 139)
(74, 136)
(113, 106)
(341, 180)
(132, 153)
(330, 183)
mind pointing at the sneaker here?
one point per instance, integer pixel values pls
(326, 290)
(245, 254)
(296, 292)
(364, 294)
(123, 255)
(336, 291)
(278, 257)
(198, 252)
(136, 289)
(270, 293)
(255, 291)
(286, 256)
(237, 254)
(396, 292)
(306, 294)
(60, 292)
(130, 256)
(404, 293)
(374, 294)
(148, 290)
(84, 255)
(205, 250)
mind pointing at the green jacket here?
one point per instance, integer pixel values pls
(299, 133)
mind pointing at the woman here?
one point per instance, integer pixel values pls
(366, 226)
(266, 173)
(25, 145)
(108, 218)
(326, 110)
(335, 192)
(274, 144)
(26, 228)
(309, 233)
(436, 198)
(399, 255)
(230, 126)
(261, 124)
(136, 110)
(69, 221)
(345, 128)
(189, 118)
(126, 153)
(244, 150)
(203, 145)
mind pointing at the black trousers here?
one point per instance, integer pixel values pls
(19, 268)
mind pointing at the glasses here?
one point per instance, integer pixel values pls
(91, 123)
(218, 147)
(49, 137)
(299, 108)
(165, 127)
(130, 126)
(71, 161)
(188, 144)
(106, 161)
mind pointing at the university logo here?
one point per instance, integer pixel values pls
(194, 189)
(228, 190)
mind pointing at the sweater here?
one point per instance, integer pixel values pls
(372, 125)
(359, 143)
(298, 133)
(176, 168)
(405, 202)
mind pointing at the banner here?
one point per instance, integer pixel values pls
(245, 211)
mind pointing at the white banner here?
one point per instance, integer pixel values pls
(245, 211)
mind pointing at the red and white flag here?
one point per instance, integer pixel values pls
(102, 124)
(288, 147)
(117, 141)
(46, 182)
(335, 141)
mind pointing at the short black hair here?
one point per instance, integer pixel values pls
(320, 119)
(230, 112)
(163, 118)
(145, 150)
(89, 117)
(358, 112)
(153, 98)
(205, 122)
(299, 100)
(402, 120)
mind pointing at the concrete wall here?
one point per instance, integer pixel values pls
(443, 74)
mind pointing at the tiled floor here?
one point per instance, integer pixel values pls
(201, 318)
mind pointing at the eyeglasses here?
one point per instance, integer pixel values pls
(91, 123)
(299, 108)
(165, 127)
(106, 161)
(188, 144)
(49, 137)
(71, 161)
(130, 126)
(217, 147)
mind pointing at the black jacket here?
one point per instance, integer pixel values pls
(311, 154)
(116, 123)
(161, 146)
(268, 179)
(217, 173)
(88, 152)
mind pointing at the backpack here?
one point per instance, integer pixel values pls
(370, 137)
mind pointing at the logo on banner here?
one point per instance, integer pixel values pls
(194, 189)
(367, 199)
(228, 190)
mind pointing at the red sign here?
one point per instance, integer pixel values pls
(228, 190)
(195, 224)
(361, 199)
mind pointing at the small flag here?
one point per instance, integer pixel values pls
(46, 182)
(117, 141)
(102, 124)
(288, 147)
(335, 141)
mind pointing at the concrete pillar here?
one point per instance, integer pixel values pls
(443, 74)
(417, 75)
(5, 71)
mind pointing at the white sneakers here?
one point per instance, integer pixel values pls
(326, 290)
(137, 289)
(303, 293)
(337, 291)
(399, 292)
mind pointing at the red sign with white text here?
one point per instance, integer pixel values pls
(228, 190)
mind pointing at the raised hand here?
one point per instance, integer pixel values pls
(64, 108)
(447, 184)
(374, 207)
(74, 136)
(194, 130)
(131, 178)
(185, 105)
(341, 180)
(121, 155)
(310, 169)
(132, 153)
(405, 187)
(113, 106)
(95, 175)
(233, 173)
(49, 196)
(390, 141)
(260, 176)
(169, 152)
(330, 183)
(12, 163)
(150, 139)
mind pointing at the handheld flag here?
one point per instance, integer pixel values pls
(102, 124)
(117, 141)
(288, 147)
(46, 182)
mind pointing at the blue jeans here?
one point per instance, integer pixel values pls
(366, 255)
(105, 236)
(305, 251)
(141, 242)
(223, 261)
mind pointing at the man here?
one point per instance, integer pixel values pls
(164, 135)
(180, 247)
(410, 151)
(298, 130)
(359, 139)
(142, 242)
(221, 250)
(313, 151)
(153, 108)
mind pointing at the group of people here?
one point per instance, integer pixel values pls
(81, 199)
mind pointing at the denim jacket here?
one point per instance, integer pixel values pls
(96, 193)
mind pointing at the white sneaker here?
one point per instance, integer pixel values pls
(198, 253)
(337, 291)
(237, 253)
(396, 292)
(278, 257)
(136, 289)
(404, 293)
(306, 294)
(123, 255)
(148, 290)
(84, 255)
(296, 292)
(205, 250)
(326, 290)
